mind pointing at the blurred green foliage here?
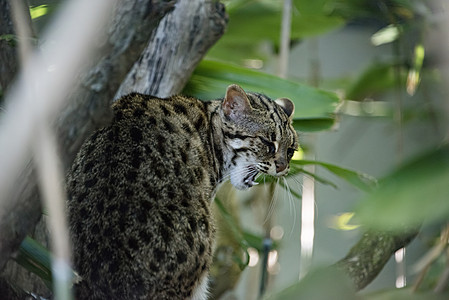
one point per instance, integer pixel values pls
(417, 192)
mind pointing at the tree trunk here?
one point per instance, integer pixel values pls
(132, 24)
(8, 54)
(175, 48)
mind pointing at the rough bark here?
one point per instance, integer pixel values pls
(130, 31)
(8, 54)
(175, 48)
(367, 258)
(128, 34)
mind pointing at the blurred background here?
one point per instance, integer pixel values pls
(383, 60)
(368, 82)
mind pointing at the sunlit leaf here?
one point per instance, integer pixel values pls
(385, 35)
(414, 74)
(343, 222)
(38, 11)
(211, 78)
(358, 179)
(416, 192)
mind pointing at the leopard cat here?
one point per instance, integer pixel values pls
(140, 190)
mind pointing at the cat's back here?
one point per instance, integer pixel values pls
(139, 193)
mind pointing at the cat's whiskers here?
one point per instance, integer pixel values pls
(238, 172)
(292, 204)
(274, 199)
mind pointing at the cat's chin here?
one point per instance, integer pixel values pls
(244, 183)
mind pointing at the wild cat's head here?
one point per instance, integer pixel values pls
(259, 135)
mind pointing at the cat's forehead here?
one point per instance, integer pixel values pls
(277, 125)
(262, 102)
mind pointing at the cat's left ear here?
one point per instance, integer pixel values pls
(287, 106)
(236, 103)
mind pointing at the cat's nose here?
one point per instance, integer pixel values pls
(281, 165)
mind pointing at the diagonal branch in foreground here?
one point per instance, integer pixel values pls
(367, 258)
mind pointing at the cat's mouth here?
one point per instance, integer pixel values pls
(250, 178)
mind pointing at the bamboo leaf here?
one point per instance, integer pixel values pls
(38, 11)
(358, 179)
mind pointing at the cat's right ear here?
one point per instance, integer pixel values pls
(236, 103)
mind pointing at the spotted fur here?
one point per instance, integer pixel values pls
(140, 189)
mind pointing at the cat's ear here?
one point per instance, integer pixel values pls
(236, 102)
(287, 106)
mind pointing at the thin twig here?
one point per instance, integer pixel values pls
(285, 38)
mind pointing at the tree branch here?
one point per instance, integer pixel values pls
(8, 54)
(132, 24)
(175, 48)
(367, 258)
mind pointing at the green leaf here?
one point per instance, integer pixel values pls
(10, 39)
(36, 259)
(358, 179)
(323, 284)
(253, 22)
(211, 78)
(416, 192)
(38, 11)
(311, 125)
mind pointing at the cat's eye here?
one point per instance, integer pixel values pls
(290, 152)
(270, 145)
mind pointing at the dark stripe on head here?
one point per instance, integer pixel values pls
(236, 136)
(261, 99)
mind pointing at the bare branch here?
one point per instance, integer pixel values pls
(368, 257)
(175, 49)
(8, 55)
